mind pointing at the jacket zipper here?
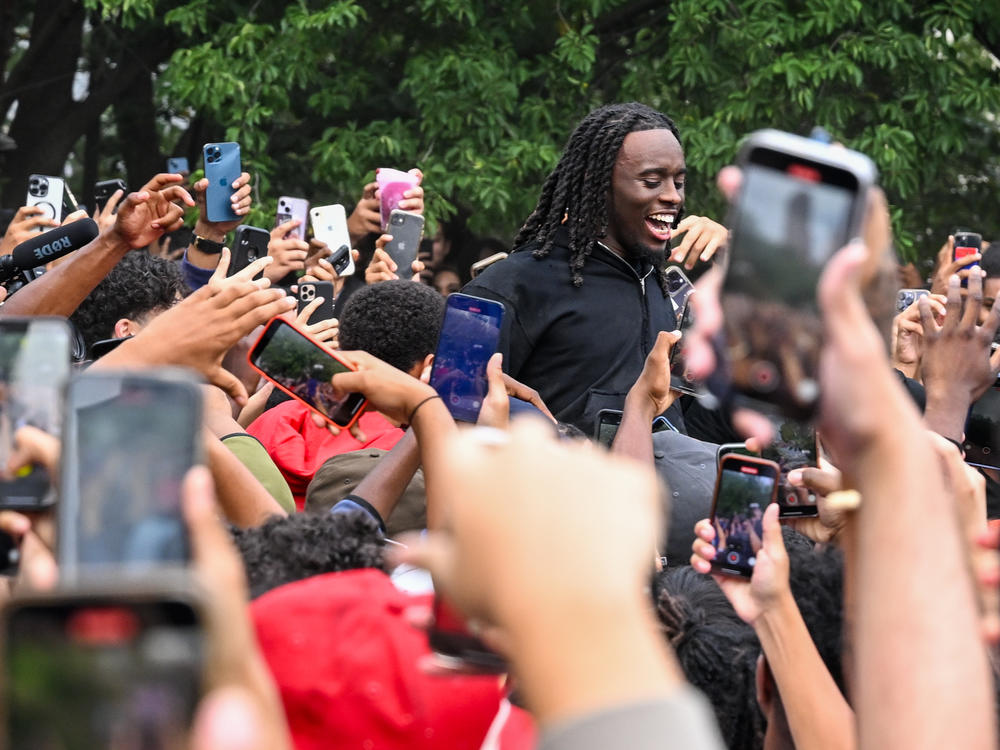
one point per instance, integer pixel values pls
(646, 346)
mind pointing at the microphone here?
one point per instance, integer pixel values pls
(47, 246)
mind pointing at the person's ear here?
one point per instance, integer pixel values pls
(422, 370)
(125, 327)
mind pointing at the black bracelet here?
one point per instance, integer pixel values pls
(209, 247)
(417, 407)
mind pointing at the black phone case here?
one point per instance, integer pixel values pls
(249, 244)
(310, 290)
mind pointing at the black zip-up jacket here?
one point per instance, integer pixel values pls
(583, 347)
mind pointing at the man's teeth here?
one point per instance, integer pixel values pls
(667, 219)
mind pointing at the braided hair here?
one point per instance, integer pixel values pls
(578, 188)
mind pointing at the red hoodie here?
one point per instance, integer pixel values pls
(299, 447)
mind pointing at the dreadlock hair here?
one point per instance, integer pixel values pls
(579, 187)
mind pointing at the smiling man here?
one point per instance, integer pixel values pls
(584, 289)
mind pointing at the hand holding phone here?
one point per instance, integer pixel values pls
(743, 490)
(47, 193)
(222, 169)
(469, 336)
(406, 229)
(329, 225)
(293, 209)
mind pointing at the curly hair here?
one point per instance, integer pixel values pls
(716, 649)
(302, 545)
(396, 321)
(576, 194)
(139, 285)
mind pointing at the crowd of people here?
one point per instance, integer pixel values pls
(327, 560)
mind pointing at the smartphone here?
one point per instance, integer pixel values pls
(178, 165)
(743, 490)
(679, 380)
(606, 426)
(46, 193)
(222, 169)
(907, 297)
(456, 647)
(469, 337)
(795, 446)
(406, 229)
(966, 244)
(249, 244)
(129, 441)
(329, 225)
(104, 189)
(679, 287)
(982, 430)
(301, 367)
(115, 667)
(481, 265)
(35, 357)
(293, 208)
(800, 201)
(310, 290)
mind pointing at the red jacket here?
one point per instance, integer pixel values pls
(299, 447)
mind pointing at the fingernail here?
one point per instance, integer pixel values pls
(794, 476)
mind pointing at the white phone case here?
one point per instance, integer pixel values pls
(329, 224)
(47, 193)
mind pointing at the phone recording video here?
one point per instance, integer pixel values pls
(303, 369)
(34, 368)
(794, 447)
(743, 490)
(110, 670)
(129, 442)
(469, 337)
(800, 202)
(608, 422)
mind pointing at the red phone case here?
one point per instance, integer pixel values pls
(344, 362)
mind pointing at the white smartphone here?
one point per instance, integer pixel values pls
(329, 225)
(46, 193)
(293, 208)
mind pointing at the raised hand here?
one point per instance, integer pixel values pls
(27, 222)
(704, 237)
(289, 253)
(241, 202)
(151, 212)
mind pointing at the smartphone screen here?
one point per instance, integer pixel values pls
(799, 203)
(469, 337)
(608, 422)
(303, 369)
(449, 637)
(34, 368)
(130, 440)
(982, 430)
(101, 673)
(743, 490)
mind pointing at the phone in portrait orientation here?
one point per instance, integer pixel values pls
(301, 367)
(966, 244)
(222, 169)
(48, 194)
(310, 290)
(406, 229)
(393, 184)
(800, 201)
(679, 287)
(178, 165)
(606, 426)
(129, 441)
(743, 490)
(293, 208)
(35, 357)
(249, 244)
(469, 337)
(481, 265)
(455, 647)
(104, 189)
(982, 430)
(329, 225)
(906, 297)
(679, 380)
(118, 667)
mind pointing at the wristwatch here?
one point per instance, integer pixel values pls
(208, 246)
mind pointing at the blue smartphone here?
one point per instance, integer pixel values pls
(222, 169)
(178, 165)
(469, 337)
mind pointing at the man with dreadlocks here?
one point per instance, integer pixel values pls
(584, 289)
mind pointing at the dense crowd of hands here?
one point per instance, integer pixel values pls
(523, 537)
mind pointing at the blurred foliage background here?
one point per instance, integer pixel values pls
(482, 95)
